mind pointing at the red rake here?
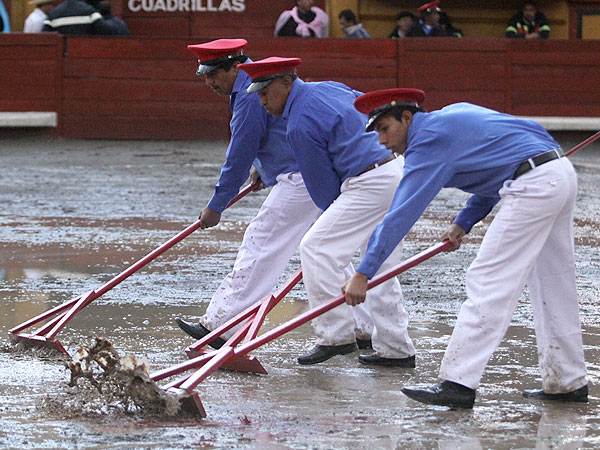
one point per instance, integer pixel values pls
(256, 316)
(62, 314)
(207, 363)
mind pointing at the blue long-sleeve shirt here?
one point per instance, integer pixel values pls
(258, 139)
(325, 133)
(464, 146)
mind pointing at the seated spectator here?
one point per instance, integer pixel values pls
(529, 23)
(114, 25)
(449, 29)
(303, 20)
(75, 17)
(428, 24)
(351, 29)
(4, 20)
(35, 21)
(404, 21)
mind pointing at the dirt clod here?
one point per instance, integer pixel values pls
(102, 382)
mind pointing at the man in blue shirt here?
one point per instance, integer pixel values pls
(530, 241)
(353, 178)
(287, 213)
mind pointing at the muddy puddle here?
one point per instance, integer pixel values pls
(76, 213)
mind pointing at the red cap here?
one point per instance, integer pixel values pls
(214, 53)
(266, 70)
(428, 7)
(378, 102)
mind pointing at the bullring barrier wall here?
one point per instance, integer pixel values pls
(146, 87)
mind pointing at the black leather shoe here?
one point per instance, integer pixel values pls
(446, 393)
(578, 395)
(376, 360)
(364, 344)
(321, 353)
(198, 331)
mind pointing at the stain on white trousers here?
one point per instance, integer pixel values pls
(530, 241)
(328, 247)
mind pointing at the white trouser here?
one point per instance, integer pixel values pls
(269, 242)
(329, 246)
(529, 242)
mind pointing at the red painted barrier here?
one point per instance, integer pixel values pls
(31, 73)
(146, 87)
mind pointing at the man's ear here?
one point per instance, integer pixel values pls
(287, 82)
(407, 117)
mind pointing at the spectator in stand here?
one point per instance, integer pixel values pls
(35, 21)
(4, 21)
(351, 29)
(446, 24)
(75, 17)
(404, 21)
(116, 26)
(429, 22)
(303, 20)
(529, 23)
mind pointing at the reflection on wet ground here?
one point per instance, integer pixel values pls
(76, 213)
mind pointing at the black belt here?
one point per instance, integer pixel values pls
(392, 157)
(537, 160)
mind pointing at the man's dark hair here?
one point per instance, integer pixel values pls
(528, 3)
(227, 65)
(347, 15)
(396, 112)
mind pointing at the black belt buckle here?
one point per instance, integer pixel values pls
(537, 160)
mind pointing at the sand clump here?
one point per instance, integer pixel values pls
(102, 382)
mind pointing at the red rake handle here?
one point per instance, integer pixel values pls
(311, 314)
(220, 357)
(163, 248)
(579, 146)
(82, 301)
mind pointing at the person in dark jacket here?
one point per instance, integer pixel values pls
(116, 26)
(404, 21)
(428, 24)
(75, 17)
(449, 29)
(529, 23)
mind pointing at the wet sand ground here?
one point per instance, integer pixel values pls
(76, 213)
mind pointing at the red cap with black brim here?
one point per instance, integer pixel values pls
(429, 7)
(266, 70)
(377, 103)
(214, 54)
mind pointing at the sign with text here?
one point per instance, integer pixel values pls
(206, 19)
(187, 5)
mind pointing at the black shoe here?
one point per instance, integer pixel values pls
(198, 331)
(364, 344)
(321, 353)
(446, 393)
(578, 395)
(376, 360)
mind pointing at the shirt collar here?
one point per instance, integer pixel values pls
(296, 87)
(241, 80)
(241, 83)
